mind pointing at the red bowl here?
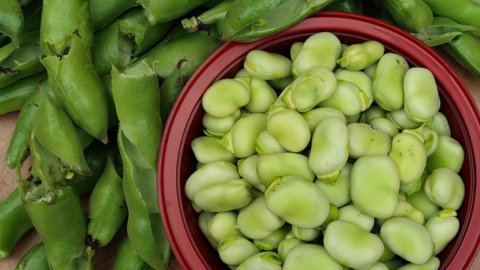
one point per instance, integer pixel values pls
(176, 160)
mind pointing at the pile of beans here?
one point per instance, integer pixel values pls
(336, 156)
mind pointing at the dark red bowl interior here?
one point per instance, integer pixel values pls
(176, 161)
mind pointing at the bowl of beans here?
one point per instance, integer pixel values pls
(342, 142)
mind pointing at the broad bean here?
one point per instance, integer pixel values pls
(319, 50)
(305, 234)
(222, 225)
(247, 169)
(283, 164)
(281, 123)
(338, 191)
(286, 245)
(226, 196)
(445, 188)
(256, 221)
(432, 264)
(388, 81)
(218, 126)
(384, 125)
(422, 101)
(362, 81)
(449, 154)
(233, 250)
(443, 226)
(271, 241)
(267, 144)
(409, 155)
(225, 97)
(317, 115)
(363, 140)
(241, 139)
(262, 96)
(361, 55)
(208, 149)
(267, 260)
(267, 66)
(352, 214)
(348, 99)
(309, 257)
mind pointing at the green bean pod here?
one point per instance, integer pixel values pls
(361, 55)
(164, 10)
(129, 36)
(34, 259)
(449, 153)
(443, 30)
(249, 20)
(465, 49)
(55, 131)
(22, 62)
(13, 97)
(414, 16)
(14, 222)
(388, 81)
(12, 20)
(57, 28)
(298, 201)
(349, 244)
(18, 148)
(318, 50)
(170, 89)
(126, 258)
(61, 209)
(283, 164)
(422, 101)
(80, 89)
(103, 12)
(329, 148)
(107, 209)
(464, 11)
(375, 183)
(408, 239)
(210, 18)
(194, 48)
(351, 6)
(266, 260)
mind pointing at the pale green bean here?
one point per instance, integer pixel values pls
(361, 55)
(224, 97)
(310, 257)
(319, 50)
(281, 123)
(255, 220)
(445, 188)
(443, 227)
(267, 66)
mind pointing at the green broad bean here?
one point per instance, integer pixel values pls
(362, 81)
(338, 191)
(208, 149)
(280, 84)
(222, 225)
(305, 234)
(388, 86)
(401, 120)
(208, 175)
(449, 154)
(394, 263)
(298, 201)
(218, 126)
(405, 209)
(262, 96)
(203, 220)
(266, 260)
(407, 239)
(384, 125)
(310, 257)
(226, 196)
(281, 123)
(361, 55)
(242, 73)
(445, 188)
(283, 164)
(440, 125)
(352, 246)
(353, 118)
(310, 88)
(225, 97)
(247, 169)
(271, 241)
(317, 115)
(432, 264)
(377, 266)
(363, 140)
(256, 221)
(348, 99)
(267, 144)
(412, 187)
(409, 155)
(420, 202)
(373, 112)
(422, 101)
(267, 66)
(319, 50)
(427, 136)
(295, 48)
(233, 250)
(286, 245)
(241, 139)
(375, 183)
(371, 70)
(443, 226)
(329, 147)
(351, 214)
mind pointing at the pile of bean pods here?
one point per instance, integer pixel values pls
(336, 156)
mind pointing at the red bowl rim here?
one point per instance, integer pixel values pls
(169, 192)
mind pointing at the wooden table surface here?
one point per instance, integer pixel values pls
(105, 257)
